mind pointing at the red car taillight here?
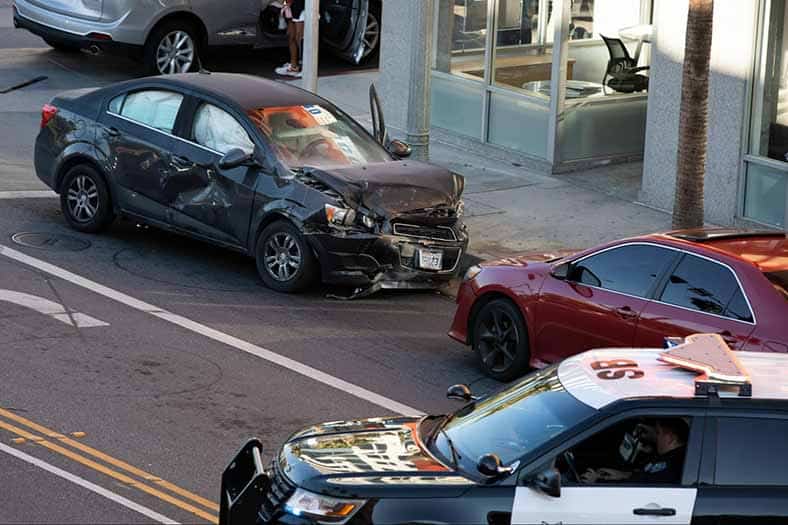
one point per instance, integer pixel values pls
(48, 112)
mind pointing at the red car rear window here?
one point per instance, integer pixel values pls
(780, 281)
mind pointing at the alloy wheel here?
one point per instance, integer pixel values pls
(175, 53)
(83, 199)
(282, 256)
(371, 34)
(498, 340)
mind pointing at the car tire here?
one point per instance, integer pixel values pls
(284, 260)
(182, 39)
(500, 340)
(65, 48)
(85, 200)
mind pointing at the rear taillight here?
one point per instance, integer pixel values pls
(48, 112)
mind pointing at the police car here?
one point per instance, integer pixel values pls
(689, 434)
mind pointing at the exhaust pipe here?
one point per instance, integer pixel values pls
(94, 50)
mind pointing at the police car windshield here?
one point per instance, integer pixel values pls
(316, 136)
(516, 420)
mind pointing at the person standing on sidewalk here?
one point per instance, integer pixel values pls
(294, 13)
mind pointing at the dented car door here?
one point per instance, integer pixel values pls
(204, 199)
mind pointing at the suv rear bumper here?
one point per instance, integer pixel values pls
(59, 36)
(126, 29)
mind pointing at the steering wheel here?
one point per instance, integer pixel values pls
(569, 458)
(311, 151)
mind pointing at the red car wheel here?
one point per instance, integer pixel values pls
(500, 340)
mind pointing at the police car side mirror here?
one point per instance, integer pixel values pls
(460, 393)
(490, 466)
(548, 482)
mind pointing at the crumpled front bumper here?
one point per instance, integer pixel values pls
(385, 260)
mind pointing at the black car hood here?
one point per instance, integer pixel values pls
(367, 458)
(392, 189)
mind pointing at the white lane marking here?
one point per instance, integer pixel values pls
(28, 194)
(117, 498)
(216, 335)
(50, 308)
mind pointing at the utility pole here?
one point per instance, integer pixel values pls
(311, 43)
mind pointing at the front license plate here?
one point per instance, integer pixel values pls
(431, 259)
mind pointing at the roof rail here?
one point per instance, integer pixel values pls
(702, 235)
(709, 355)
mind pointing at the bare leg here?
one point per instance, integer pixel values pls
(298, 40)
(293, 44)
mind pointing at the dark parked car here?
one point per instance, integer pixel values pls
(685, 451)
(257, 166)
(522, 313)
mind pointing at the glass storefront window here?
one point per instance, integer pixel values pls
(522, 60)
(765, 197)
(492, 74)
(461, 38)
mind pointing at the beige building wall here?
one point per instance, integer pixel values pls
(733, 51)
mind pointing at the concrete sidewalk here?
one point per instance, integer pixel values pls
(511, 209)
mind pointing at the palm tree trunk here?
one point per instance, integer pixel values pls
(693, 117)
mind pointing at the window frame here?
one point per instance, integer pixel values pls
(199, 103)
(709, 467)
(657, 290)
(694, 408)
(664, 282)
(650, 294)
(125, 95)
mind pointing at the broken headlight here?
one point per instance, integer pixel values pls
(460, 211)
(340, 216)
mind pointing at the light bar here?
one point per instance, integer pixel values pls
(709, 355)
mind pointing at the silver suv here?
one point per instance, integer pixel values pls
(169, 35)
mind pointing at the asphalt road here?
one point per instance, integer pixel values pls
(134, 363)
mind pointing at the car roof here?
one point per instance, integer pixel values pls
(767, 372)
(766, 250)
(247, 91)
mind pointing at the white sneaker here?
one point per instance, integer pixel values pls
(288, 72)
(283, 69)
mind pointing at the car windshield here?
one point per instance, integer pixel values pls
(780, 281)
(316, 136)
(514, 421)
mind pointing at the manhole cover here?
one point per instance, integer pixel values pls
(51, 241)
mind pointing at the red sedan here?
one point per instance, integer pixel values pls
(520, 313)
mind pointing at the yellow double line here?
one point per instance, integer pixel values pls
(202, 503)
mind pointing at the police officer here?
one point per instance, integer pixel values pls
(671, 442)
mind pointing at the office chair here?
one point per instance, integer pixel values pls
(622, 69)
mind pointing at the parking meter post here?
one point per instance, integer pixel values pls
(311, 42)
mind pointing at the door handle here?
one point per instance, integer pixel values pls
(182, 163)
(626, 312)
(113, 132)
(657, 511)
(729, 338)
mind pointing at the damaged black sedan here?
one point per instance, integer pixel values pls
(257, 166)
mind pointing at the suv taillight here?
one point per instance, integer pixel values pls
(48, 112)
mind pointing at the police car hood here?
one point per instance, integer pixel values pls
(367, 458)
(395, 189)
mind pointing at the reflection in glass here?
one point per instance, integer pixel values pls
(461, 37)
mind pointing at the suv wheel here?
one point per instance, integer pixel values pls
(173, 47)
(85, 200)
(500, 340)
(372, 32)
(285, 261)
